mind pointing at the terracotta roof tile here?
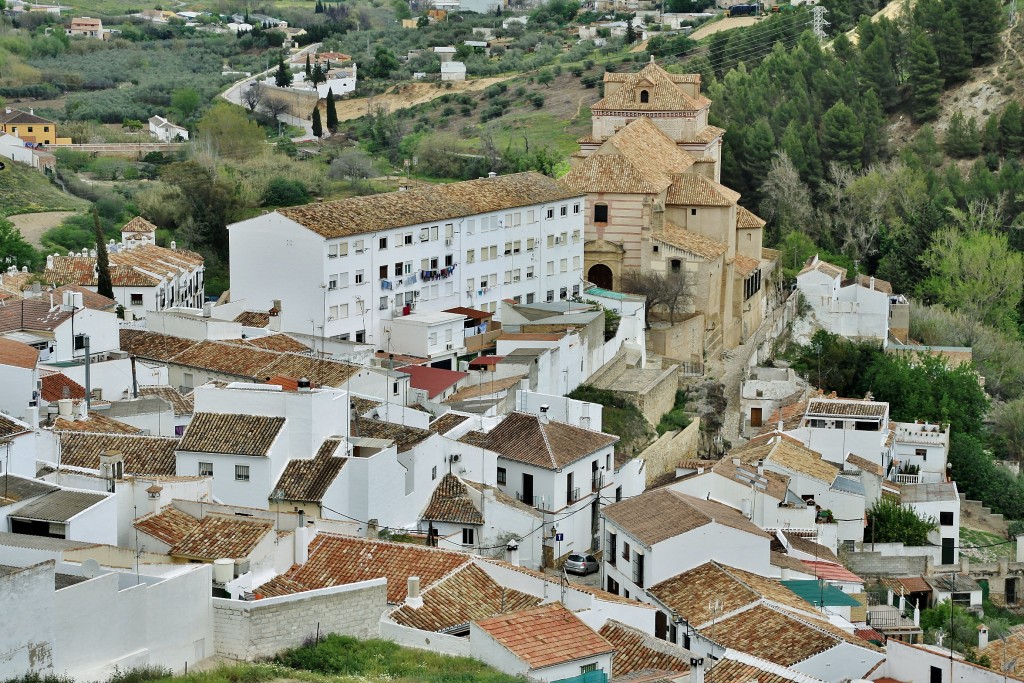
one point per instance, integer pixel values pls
(747, 219)
(432, 380)
(98, 423)
(182, 405)
(55, 384)
(610, 173)
(505, 499)
(19, 116)
(814, 263)
(230, 433)
(583, 588)
(339, 560)
(776, 485)
(31, 314)
(695, 243)
(545, 636)
(16, 354)
(360, 215)
(447, 422)
(734, 671)
(705, 135)
(170, 525)
(90, 299)
(864, 464)
(789, 455)
(253, 318)
(784, 561)
(746, 265)
(809, 547)
(484, 389)
(693, 189)
(774, 635)
(660, 514)
(405, 438)
(308, 480)
(219, 536)
(138, 224)
(831, 571)
(272, 342)
(637, 651)
(846, 407)
(143, 455)
(451, 503)
(139, 266)
(464, 596)
(662, 93)
(524, 438)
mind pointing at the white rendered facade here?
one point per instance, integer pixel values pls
(351, 286)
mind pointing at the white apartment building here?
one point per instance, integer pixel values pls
(350, 266)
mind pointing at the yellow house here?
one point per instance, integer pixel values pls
(651, 170)
(30, 128)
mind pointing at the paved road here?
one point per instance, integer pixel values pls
(234, 95)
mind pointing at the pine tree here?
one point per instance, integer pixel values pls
(963, 139)
(925, 79)
(872, 119)
(332, 113)
(877, 73)
(982, 22)
(954, 56)
(793, 145)
(991, 141)
(1011, 130)
(318, 128)
(309, 70)
(842, 137)
(104, 286)
(283, 77)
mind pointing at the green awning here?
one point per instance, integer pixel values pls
(819, 593)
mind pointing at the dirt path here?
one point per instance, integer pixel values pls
(406, 95)
(890, 11)
(33, 225)
(723, 25)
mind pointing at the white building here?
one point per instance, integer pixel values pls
(53, 324)
(20, 447)
(19, 377)
(435, 335)
(14, 148)
(35, 508)
(558, 468)
(941, 502)
(470, 244)
(762, 392)
(924, 447)
(657, 535)
(165, 131)
(862, 308)
(453, 71)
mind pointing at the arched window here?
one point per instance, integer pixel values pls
(645, 96)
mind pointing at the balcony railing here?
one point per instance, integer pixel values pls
(572, 495)
(534, 501)
(908, 479)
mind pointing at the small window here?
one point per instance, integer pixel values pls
(645, 97)
(693, 212)
(502, 476)
(563, 210)
(394, 390)
(946, 518)
(588, 668)
(382, 243)
(408, 238)
(549, 213)
(467, 536)
(205, 469)
(625, 551)
(136, 299)
(576, 208)
(241, 473)
(600, 213)
(921, 453)
(433, 473)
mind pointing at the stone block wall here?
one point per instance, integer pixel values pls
(249, 630)
(663, 455)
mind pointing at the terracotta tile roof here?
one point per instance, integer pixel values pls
(153, 345)
(54, 385)
(253, 318)
(596, 593)
(16, 354)
(230, 433)
(272, 342)
(809, 547)
(831, 571)
(814, 263)
(524, 438)
(170, 525)
(451, 503)
(432, 380)
(138, 224)
(657, 515)
(705, 135)
(846, 407)
(31, 314)
(504, 498)
(776, 485)
(746, 265)
(687, 593)
(729, 670)
(98, 423)
(362, 405)
(484, 389)
(774, 635)
(360, 215)
(90, 299)
(464, 596)
(218, 536)
(693, 189)
(545, 636)
(695, 243)
(784, 561)
(339, 560)
(1007, 655)
(663, 93)
(637, 651)
(610, 173)
(747, 219)
(143, 455)
(863, 280)
(447, 422)
(405, 438)
(791, 416)
(914, 584)
(144, 265)
(308, 480)
(864, 464)
(790, 455)
(182, 405)
(19, 116)
(870, 635)
(649, 150)
(471, 313)
(229, 359)
(11, 427)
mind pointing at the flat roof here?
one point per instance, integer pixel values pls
(59, 506)
(430, 318)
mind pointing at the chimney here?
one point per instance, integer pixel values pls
(872, 282)
(413, 598)
(301, 542)
(32, 414)
(785, 574)
(83, 411)
(303, 384)
(736, 461)
(153, 497)
(760, 467)
(544, 413)
(371, 528)
(658, 219)
(49, 262)
(512, 553)
(696, 670)
(64, 407)
(982, 636)
(781, 424)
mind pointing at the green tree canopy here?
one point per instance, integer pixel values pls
(925, 78)
(890, 522)
(230, 132)
(283, 75)
(842, 136)
(185, 102)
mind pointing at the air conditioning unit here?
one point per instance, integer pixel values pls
(448, 241)
(456, 457)
(416, 294)
(449, 346)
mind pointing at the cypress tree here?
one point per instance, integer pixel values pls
(332, 113)
(630, 31)
(283, 77)
(318, 128)
(104, 286)
(308, 69)
(925, 79)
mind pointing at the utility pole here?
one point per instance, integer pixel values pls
(818, 22)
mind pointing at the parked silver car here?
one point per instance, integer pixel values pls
(581, 564)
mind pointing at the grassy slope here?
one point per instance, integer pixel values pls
(23, 190)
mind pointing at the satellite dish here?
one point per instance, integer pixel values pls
(90, 569)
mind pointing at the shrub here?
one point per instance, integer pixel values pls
(284, 192)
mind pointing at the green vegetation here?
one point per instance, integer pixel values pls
(890, 522)
(620, 417)
(676, 418)
(981, 546)
(961, 628)
(25, 190)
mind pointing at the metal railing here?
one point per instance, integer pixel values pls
(691, 369)
(535, 501)
(572, 495)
